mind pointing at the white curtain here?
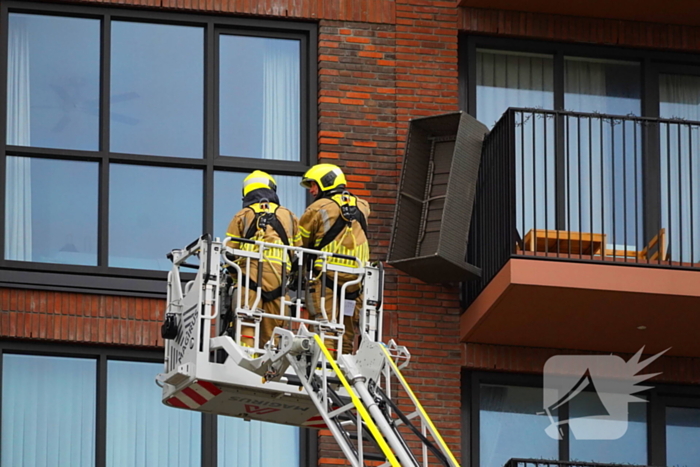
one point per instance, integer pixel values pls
(523, 80)
(679, 97)
(256, 444)
(18, 204)
(588, 189)
(603, 164)
(141, 431)
(281, 99)
(48, 411)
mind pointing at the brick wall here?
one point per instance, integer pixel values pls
(81, 318)
(372, 80)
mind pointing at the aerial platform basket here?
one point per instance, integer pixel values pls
(297, 378)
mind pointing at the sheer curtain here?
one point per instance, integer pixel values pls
(18, 204)
(281, 113)
(679, 97)
(602, 165)
(508, 79)
(588, 167)
(256, 444)
(141, 431)
(48, 411)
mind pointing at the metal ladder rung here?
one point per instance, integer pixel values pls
(341, 410)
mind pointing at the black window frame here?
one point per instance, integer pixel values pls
(103, 278)
(308, 441)
(659, 397)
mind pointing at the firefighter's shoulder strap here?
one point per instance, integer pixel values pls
(266, 214)
(349, 213)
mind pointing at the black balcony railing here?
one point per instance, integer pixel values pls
(548, 463)
(586, 187)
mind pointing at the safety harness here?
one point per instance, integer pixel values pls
(349, 213)
(264, 217)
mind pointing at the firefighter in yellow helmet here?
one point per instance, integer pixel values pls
(263, 218)
(336, 222)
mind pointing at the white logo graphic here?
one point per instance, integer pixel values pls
(603, 384)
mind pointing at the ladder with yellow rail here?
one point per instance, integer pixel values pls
(293, 379)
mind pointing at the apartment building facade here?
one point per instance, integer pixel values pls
(129, 125)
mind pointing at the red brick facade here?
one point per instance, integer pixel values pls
(380, 63)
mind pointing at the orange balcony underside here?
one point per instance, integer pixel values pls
(670, 12)
(588, 306)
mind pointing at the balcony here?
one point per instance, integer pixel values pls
(587, 231)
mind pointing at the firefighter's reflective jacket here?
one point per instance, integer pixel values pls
(271, 223)
(338, 224)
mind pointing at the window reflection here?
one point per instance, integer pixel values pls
(141, 430)
(511, 426)
(631, 448)
(48, 217)
(53, 81)
(259, 98)
(48, 411)
(256, 444)
(227, 197)
(151, 211)
(682, 435)
(157, 98)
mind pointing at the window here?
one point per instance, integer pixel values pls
(100, 406)
(49, 217)
(251, 443)
(141, 430)
(157, 89)
(511, 79)
(127, 134)
(682, 435)
(631, 448)
(510, 425)
(679, 98)
(48, 411)
(506, 417)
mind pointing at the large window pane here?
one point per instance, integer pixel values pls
(631, 448)
(228, 196)
(48, 411)
(510, 79)
(259, 98)
(256, 444)
(157, 100)
(53, 81)
(49, 217)
(603, 86)
(141, 430)
(604, 157)
(511, 426)
(151, 211)
(679, 97)
(682, 436)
